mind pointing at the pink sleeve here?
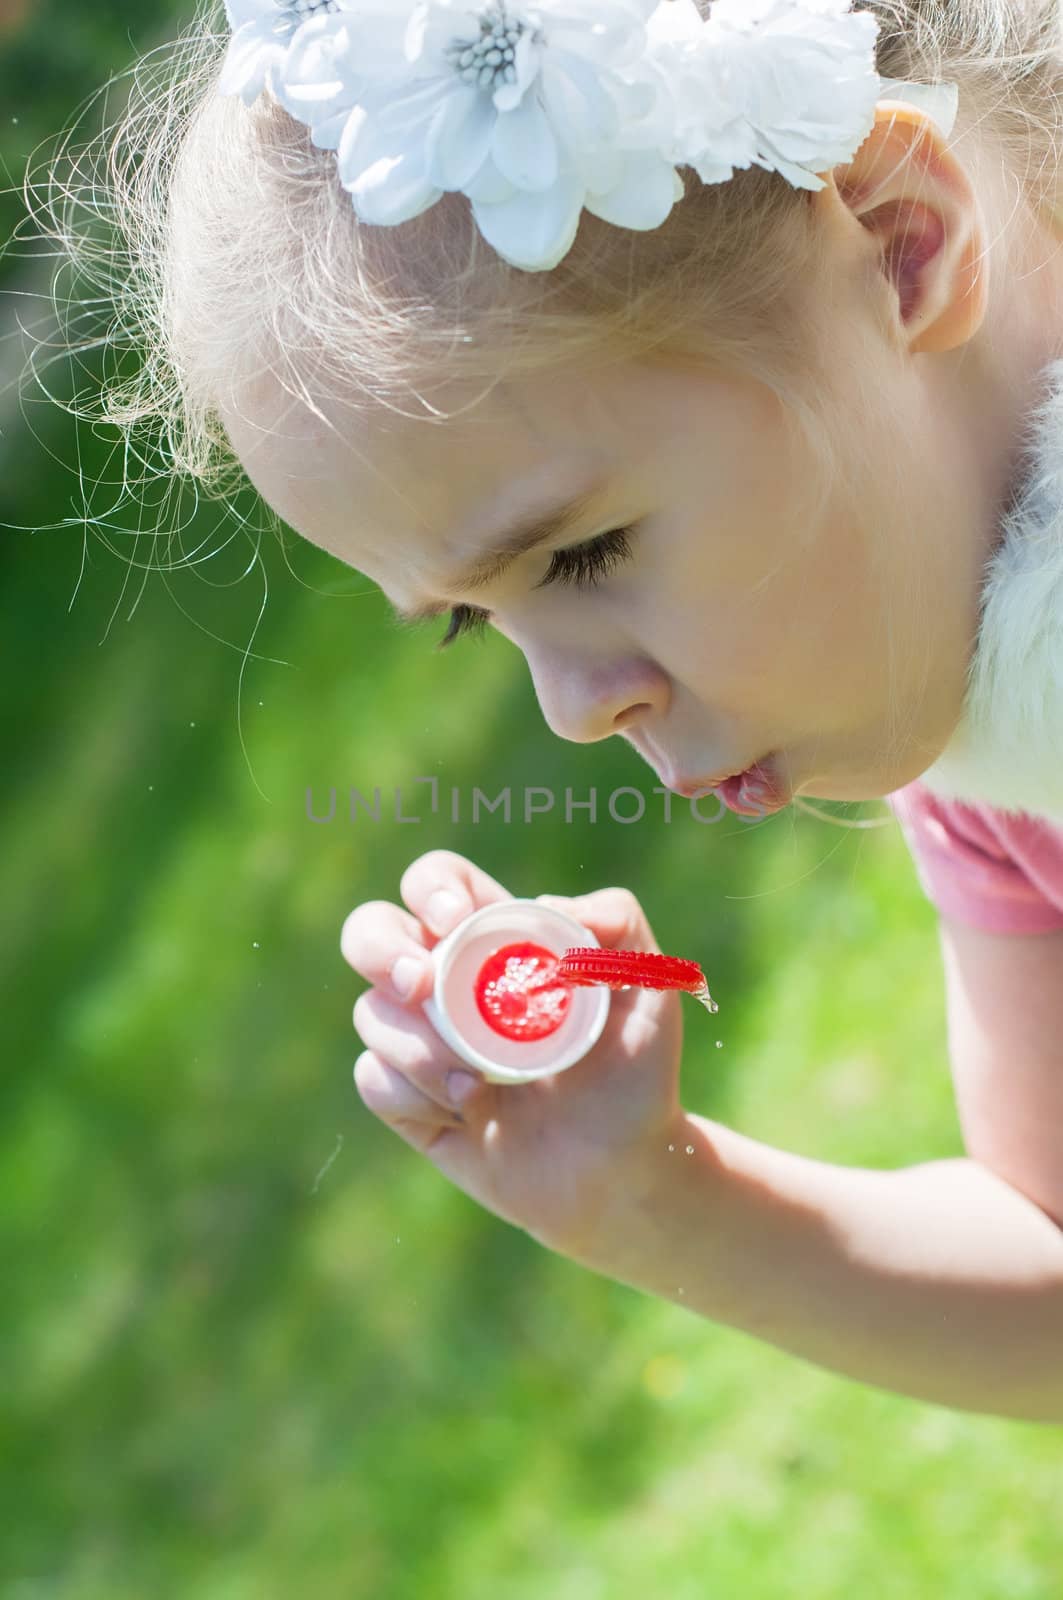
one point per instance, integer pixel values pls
(966, 868)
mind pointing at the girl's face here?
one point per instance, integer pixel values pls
(740, 615)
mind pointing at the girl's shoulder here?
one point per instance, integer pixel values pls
(994, 869)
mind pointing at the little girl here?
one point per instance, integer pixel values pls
(714, 360)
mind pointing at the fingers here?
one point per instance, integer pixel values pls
(613, 915)
(406, 1041)
(390, 946)
(441, 888)
(405, 1075)
(397, 1102)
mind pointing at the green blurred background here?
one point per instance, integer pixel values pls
(253, 1345)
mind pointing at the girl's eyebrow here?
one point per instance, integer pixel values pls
(517, 538)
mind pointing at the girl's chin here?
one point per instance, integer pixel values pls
(852, 790)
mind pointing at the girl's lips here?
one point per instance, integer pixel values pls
(689, 787)
(760, 791)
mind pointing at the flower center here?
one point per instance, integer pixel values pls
(303, 10)
(487, 62)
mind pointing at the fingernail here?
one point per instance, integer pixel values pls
(406, 975)
(460, 1085)
(444, 910)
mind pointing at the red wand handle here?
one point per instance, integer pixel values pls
(638, 969)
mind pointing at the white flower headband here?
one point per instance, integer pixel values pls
(539, 109)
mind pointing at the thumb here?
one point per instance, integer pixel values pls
(644, 1028)
(614, 916)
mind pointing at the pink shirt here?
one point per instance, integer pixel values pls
(999, 870)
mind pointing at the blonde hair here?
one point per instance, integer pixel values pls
(200, 241)
(207, 238)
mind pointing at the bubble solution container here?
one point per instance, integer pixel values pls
(455, 1014)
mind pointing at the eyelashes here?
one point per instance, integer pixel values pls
(584, 565)
(465, 619)
(579, 565)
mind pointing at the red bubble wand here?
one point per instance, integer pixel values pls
(634, 969)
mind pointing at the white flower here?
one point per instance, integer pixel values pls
(537, 110)
(262, 32)
(534, 111)
(939, 101)
(787, 86)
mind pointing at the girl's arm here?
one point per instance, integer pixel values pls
(938, 1281)
(943, 1281)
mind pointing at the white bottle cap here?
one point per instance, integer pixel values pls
(455, 1015)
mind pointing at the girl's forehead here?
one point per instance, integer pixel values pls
(380, 489)
(395, 494)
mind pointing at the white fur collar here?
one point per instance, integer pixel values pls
(1007, 749)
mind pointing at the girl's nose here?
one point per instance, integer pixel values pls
(595, 701)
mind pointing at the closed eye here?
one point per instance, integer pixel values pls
(465, 619)
(586, 564)
(581, 565)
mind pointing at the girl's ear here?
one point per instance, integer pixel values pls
(905, 187)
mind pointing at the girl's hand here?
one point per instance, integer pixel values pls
(547, 1156)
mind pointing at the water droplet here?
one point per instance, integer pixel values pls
(719, 1044)
(151, 788)
(191, 724)
(397, 1239)
(261, 702)
(255, 945)
(680, 1291)
(671, 1147)
(690, 1149)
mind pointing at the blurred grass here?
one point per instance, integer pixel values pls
(255, 1346)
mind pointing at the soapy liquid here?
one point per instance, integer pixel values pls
(518, 993)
